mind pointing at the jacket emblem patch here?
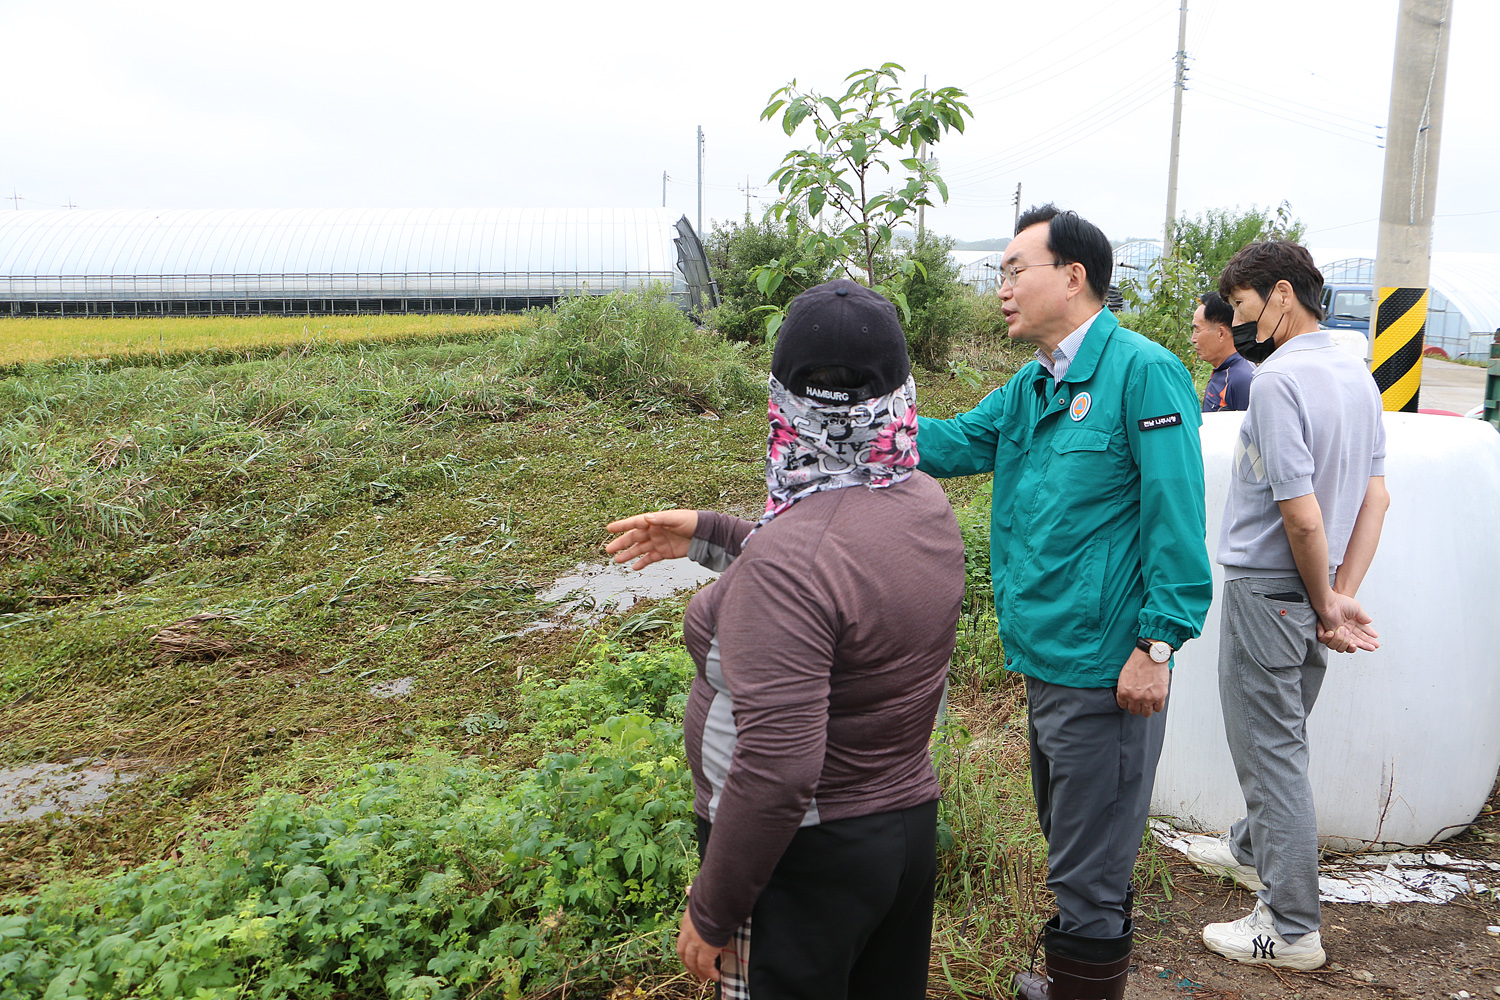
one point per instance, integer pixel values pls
(1080, 407)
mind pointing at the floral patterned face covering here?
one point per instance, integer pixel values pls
(813, 446)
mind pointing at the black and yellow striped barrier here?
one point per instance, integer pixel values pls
(1400, 325)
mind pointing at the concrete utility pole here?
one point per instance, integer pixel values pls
(1403, 252)
(663, 189)
(1017, 202)
(700, 179)
(1178, 88)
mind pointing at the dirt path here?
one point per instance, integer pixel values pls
(1407, 950)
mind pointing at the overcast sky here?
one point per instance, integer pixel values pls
(456, 104)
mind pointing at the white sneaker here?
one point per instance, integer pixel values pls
(1214, 857)
(1253, 940)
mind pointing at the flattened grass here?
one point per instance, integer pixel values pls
(205, 566)
(34, 340)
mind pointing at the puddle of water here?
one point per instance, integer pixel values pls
(613, 588)
(35, 790)
(393, 689)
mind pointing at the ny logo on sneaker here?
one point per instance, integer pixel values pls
(1263, 946)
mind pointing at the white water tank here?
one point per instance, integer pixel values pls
(1405, 741)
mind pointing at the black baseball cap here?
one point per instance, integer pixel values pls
(841, 322)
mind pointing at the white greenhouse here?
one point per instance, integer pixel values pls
(198, 261)
(1463, 306)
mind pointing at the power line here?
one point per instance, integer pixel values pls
(986, 165)
(1078, 58)
(1314, 125)
(1042, 149)
(1286, 103)
(981, 201)
(1037, 50)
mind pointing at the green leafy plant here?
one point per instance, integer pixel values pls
(637, 347)
(1162, 303)
(428, 880)
(1208, 240)
(838, 183)
(1163, 298)
(736, 251)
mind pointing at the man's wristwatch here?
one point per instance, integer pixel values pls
(1159, 651)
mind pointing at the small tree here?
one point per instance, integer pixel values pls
(1163, 303)
(833, 184)
(1165, 297)
(1207, 241)
(736, 251)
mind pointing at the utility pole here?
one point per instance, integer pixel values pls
(1017, 202)
(15, 199)
(1178, 88)
(663, 189)
(700, 180)
(1403, 251)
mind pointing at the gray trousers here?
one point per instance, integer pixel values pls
(1271, 667)
(1092, 767)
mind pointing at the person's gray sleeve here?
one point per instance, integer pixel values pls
(1377, 461)
(1278, 436)
(718, 540)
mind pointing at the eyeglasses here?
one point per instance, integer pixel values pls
(1008, 274)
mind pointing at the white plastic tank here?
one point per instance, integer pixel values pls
(1405, 741)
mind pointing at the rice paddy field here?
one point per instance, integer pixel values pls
(24, 341)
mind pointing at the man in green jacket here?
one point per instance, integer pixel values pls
(1100, 572)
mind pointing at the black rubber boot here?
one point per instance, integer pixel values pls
(1079, 968)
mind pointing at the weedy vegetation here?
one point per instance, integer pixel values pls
(215, 566)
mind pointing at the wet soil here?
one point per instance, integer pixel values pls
(1401, 950)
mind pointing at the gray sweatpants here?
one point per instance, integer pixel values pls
(1271, 667)
(1092, 767)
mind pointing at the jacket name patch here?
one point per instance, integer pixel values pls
(1153, 423)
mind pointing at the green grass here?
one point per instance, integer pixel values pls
(206, 562)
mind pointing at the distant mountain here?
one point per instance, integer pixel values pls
(998, 243)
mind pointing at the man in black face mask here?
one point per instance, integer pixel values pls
(1306, 503)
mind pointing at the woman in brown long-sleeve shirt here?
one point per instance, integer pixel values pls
(822, 653)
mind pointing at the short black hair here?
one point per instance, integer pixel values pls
(1074, 240)
(1260, 265)
(1216, 310)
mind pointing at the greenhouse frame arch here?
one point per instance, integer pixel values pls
(316, 261)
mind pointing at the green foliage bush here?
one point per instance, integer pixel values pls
(1162, 306)
(426, 880)
(1208, 240)
(637, 347)
(938, 304)
(735, 250)
(941, 310)
(1161, 303)
(613, 682)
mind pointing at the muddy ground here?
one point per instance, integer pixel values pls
(1404, 950)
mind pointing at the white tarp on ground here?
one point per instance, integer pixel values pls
(1401, 877)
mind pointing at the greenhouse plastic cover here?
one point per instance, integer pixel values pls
(562, 246)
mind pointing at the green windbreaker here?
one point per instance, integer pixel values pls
(1097, 526)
